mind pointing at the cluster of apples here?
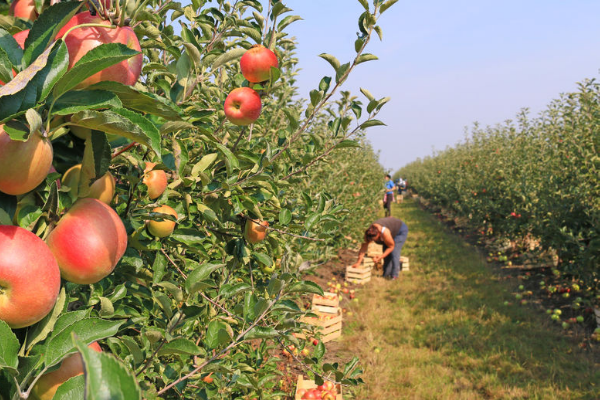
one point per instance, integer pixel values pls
(338, 288)
(243, 105)
(326, 391)
(90, 238)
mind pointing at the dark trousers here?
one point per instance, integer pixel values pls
(391, 264)
(387, 203)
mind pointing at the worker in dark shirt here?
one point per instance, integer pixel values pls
(391, 233)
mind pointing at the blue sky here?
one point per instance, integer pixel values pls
(447, 64)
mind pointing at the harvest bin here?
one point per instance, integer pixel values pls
(329, 303)
(404, 263)
(329, 325)
(374, 249)
(308, 384)
(358, 275)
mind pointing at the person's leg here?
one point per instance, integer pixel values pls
(388, 205)
(399, 241)
(387, 265)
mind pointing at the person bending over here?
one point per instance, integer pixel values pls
(391, 233)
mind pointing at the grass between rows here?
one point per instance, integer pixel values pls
(443, 332)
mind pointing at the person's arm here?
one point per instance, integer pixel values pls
(361, 254)
(388, 240)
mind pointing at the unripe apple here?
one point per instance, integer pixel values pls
(71, 366)
(24, 9)
(23, 165)
(242, 106)
(165, 227)
(88, 241)
(255, 232)
(156, 180)
(256, 63)
(102, 189)
(29, 277)
(81, 40)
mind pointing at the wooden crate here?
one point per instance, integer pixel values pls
(323, 304)
(330, 326)
(404, 263)
(374, 249)
(308, 384)
(358, 275)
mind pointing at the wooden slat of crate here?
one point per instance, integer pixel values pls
(404, 263)
(323, 301)
(329, 328)
(358, 275)
(308, 384)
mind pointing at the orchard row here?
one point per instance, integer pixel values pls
(532, 182)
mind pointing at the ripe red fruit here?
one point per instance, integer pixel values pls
(88, 241)
(242, 106)
(165, 227)
(23, 165)
(315, 342)
(29, 277)
(80, 41)
(208, 379)
(156, 180)
(24, 9)
(255, 232)
(256, 64)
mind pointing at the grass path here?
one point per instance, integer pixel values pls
(443, 332)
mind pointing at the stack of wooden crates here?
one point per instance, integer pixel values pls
(329, 316)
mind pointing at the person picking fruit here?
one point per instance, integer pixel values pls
(391, 233)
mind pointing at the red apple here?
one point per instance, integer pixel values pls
(255, 232)
(88, 241)
(156, 180)
(29, 277)
(48, 384)
(256, 63)
(24, 9)
(81, 40)
(23, 165)
(102, 189)
(165, 227)
(327, 395)
(20, 37)
(242, 106)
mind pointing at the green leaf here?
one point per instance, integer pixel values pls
(199, 274)
(331, 60)
(315, 97)
(387, 5)
(285, 216)
(9, 349)
(305, 287)
(263, 259)
(365, 4)
(348, 143)
(253, 33)
(260, 307)
(324, 84)
(122, 122)
(106, 378)
(79, 100)
(100, 148)
(369, 123)
(180, 346)
(261, 332)
(11, 49)
(46, 27)
(311, 220)
(93, 61)
(88, 329)
(379, 32)
(366, 57)
(287, 21)
(42, 329)
(205, 162)
(231, 55)
(230, 290)
(216, 334)
(144, 102)
(367, 94)
(231, 161)
(292, 118)
(72, 389)
(319, 351)
(339, 76)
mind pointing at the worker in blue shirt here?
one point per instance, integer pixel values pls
(389, 195)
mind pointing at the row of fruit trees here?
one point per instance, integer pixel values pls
(529, 183)
(163, 188)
